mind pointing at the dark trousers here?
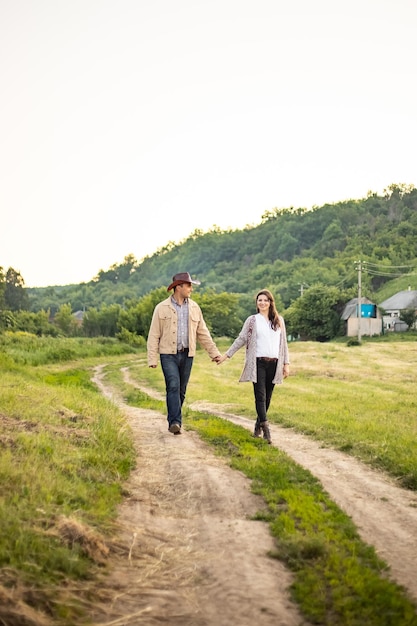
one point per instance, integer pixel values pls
(177, 370)
(263, 388)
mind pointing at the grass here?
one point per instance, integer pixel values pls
(28, 349)
(339, 580)
(360, 399)
(66, 451)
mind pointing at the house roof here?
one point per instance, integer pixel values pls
(350, 309)
(79, 315)
(400, 301)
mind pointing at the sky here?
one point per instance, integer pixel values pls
(126, 125)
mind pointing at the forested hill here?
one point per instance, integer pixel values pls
(288, 251)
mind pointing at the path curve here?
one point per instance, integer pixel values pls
(188, 552)
(384, 514)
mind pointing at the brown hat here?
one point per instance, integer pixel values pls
(179, 279)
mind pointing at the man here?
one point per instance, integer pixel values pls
(176, 327)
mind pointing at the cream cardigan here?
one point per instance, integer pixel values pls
(247, 337)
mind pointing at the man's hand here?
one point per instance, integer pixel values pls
(222, 359)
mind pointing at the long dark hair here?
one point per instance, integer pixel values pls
(272, 313)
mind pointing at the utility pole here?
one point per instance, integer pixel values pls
(301, 290)
(359, 299)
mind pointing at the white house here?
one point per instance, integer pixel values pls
(393, 306)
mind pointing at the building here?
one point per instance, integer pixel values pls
(78, 317)
(393, 306)
(370, 319)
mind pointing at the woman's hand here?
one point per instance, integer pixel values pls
(223, 358)
(286, 370)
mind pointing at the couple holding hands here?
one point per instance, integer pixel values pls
(178, 324)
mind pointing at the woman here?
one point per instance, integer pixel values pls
(267, 359)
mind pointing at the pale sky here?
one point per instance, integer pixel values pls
(128, 124)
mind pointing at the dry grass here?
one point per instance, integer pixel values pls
(71, 532)
(14, 611)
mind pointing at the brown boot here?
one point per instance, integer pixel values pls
(266, 431)
(258, 430)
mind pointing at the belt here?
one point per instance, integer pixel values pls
(267, 359)
(183, 350)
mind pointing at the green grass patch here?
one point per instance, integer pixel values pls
(131, 393)
(28, 349)
(65, 452)
(71, 378)
(360, 400)
(339, 580)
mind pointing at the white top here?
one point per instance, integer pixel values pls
(267, 339)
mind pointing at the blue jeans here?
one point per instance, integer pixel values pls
(263, 388)
(177, 370)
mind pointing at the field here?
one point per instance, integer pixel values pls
(67, 453)
(358, 399)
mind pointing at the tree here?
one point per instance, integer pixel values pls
(15, 296)
(65, 320)
(220, 312)
(91, 323)
(290, 248)
(36, 323)
(2, 288)
(136, 317)
(102, 323)
(409, 316)
(119, 272)
(316, 314)
(7, 320)
(333, 239)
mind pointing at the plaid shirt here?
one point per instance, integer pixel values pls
(182, 332)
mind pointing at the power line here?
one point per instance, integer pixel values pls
(346, 279)
(386, 266)
(389, 271)
(375, 269)
(393, 274)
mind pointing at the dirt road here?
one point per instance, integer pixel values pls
(189, 554)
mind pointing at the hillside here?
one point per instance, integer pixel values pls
(288, 251)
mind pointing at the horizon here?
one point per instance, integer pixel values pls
(129, 126)
(139, 261)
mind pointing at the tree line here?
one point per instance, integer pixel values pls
(291, 252)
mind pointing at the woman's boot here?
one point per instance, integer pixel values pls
(266, 431)
(258, 430)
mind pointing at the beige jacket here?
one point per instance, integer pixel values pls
(162, 337)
